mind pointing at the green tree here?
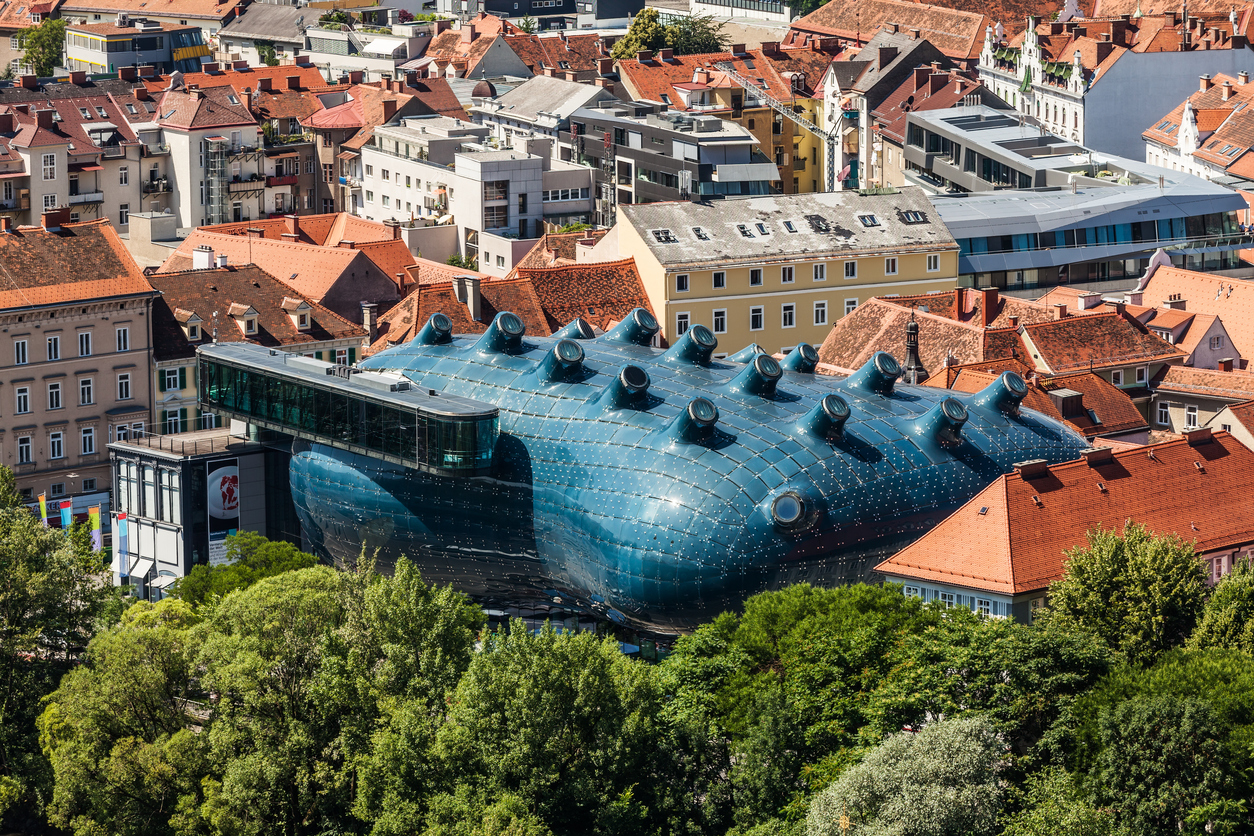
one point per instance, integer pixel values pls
(1050, 803)
(249, 558)
(10, 498)
(938, 782)
(52, 591)
(1161, 758)
(116, 731)
(562, 721)
(1228, 618)
(645, 32)
(1139, 593)
(463, 262)
(579, 227)
(265, 51)
(527, 25)
(43, 45)
(696, 35)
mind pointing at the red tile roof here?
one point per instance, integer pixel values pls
(1225, 128)
(652, 79)
(1208, 383)
(1011, 537)
(246, 79)
(952, 27)
(1206, 293)
(17, 16)
(554, 248)
(208, 107)
(426, 271)
(406, 318)
(1095, 341)
(78, 262)
(207, 9)
(925, 90)
(603, 293)
(205, 292)
(579, 52)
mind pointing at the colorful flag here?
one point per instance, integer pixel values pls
(43, 509)
(67, 517)
(97, 536)
(124, 558)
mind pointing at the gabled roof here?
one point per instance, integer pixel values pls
(957, 33)
(15, 16)
(207, 107)
(557, 248)
(579, 53)
(603, 293)
(1206, 293)
(923, 90)
(1225, 128)
(244, 79)
(650, 80)
(1011, 537)
(322, 230)
(448, 46)
(205, 9)
(1243, 412)
(271, 22)
(203, 292)
(548, 95)
(77, 262)
(391, 256)
(1206, 383)
(426, 271)
(1097, 340)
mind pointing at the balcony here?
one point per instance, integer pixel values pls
(155, 149)
(280, 140)
(244, 186)
(281, 180)
(86, 197)
(241, 150)
(113, 152)
(798, 163)
(161, 186)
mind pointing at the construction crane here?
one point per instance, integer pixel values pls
(830, 139)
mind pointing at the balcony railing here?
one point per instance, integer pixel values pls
(156, 149)
(157, 186)
(288, 139)
(112, 152)
(281, 180)
(238, 150)
(245, 186)
(86, 197)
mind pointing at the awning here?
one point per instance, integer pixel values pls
(8, 175)
(284, 154)
(346, 155)
(142, 567)
(384, 46)
(443, 219)
(85, 167)
(164, 581)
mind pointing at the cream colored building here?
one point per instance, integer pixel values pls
(779, 270)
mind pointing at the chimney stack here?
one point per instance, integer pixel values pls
(202, 257)
(368, 320)
(210, 67)
(1060, 311)
(1225, 91)
(1225, 365)
(30, 82)
(54, 219)
(1205, 83)
(389, 109)
(221, 260)
(1014, 322)
(44, 118)
(1243, 78)
(126, 73)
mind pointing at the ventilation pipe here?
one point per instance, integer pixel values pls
(876, 375)
(638, 328)
(804, 359)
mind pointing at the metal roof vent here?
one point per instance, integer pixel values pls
(629, 388)
(1004, 394)
(827, 418)
(943, 423)
(562, 362)
(746, 354)
(695, 423)
(577, 329)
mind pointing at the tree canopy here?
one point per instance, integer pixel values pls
(43, 45)
(249, 558)
(687, 35)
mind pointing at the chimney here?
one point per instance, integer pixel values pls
(44, 118)
(442, 26)
(467, 290)
(30, 82)
(605, 66)
(988, 305)
(221, 260)
(368, 320)
(1205, 83)
(148, 71)
(549, 72)
(292, 223)
(1134, 297)
(196, 92)
(1243, 78)
(1225, 91)
(920, 77)
(54, 219)
(411, 78)
(936, 82)
(78, 77)
(293, 82)
(644, 56)
(571, 75)
(915, 34)
(389, 109)
(348, 245)
(468, 33)
(265, 84)
(738, 49)
(1175, 303)
(666, 55)
(770, 47)
(395, 226)
(254, 232)
(141, 93)
(885, 57)
(1103, 49)
(1089, 300)
(1060, 311)
(6, 224)
(1225, 365)
(290, 236)
(202, 257)
(354, 76)
(1014, 322)
(126, 73)
(210, 67)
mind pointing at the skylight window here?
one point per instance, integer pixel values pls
(818, 223)
(1162, 124)
(788, 225)
(700, 233)
(83, 111)
(101, 111)
(666, 99)
(665, 236)
(130, 108)
(744, 230)
(1233, 152)
(913, 216)
(564, 65)
(762, 230)
(232, 99)
(869, 220)
(1225, 149)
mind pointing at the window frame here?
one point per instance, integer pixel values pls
(719, 314)
(890, 265)
(818, 271)
(56, 445)
(122, 338)
(851, 273)
(933, 263)
(820, 306)
(757, 312)
(851, 308)
(787, 274)
(123, 389)
(682, 283)
(84, 343)
(1164, 414)
(718, 279)
(683, 321)
(788, 315)
(86, 391)
(87, 441)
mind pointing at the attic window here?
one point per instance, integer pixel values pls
(788, 225)
(818, 223)
(700, 234)
(913, 216)
(250, 325)
(1162, 124)
(762, 230)
(665, 236)
(744, 230)
(130, 108)
(232, 99)
(193, 333)
(1225, 149)
(869, 220)
(83, 111)
(1233, 152)
(565, 65)
(666, 99)
(302, 320)
(101, 112)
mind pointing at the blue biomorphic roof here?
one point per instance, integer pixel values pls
(664, 487)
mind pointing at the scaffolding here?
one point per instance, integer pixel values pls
(216, 175)
(830, 139)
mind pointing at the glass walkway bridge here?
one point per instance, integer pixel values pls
(379, 415)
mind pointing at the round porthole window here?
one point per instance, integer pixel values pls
(788, 510)
(703, 412)
(511, 324)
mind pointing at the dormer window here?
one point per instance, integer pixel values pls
(250, 325)
(190, 323)
(245, 317)
(300, 312)
(193, 333)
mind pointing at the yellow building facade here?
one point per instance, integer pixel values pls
(778, 271)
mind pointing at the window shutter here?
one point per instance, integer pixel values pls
(317, 355)
(182, 377)
(160, 380)
(352, 356)
(183, 420)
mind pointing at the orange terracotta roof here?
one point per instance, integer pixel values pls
(603, 293)
(391, 256)
(1206, 293)
(1011, 537)
(16, 16)
(211, 109)
(209, 9)
(79, 262)
(554, 248)
(426, 271)
(1243, 412)
(954, 30)
(1211, 383)
(924, 90)
(652, 79)
(245, 79)
(579, 53)
(1094, 341)
(406, 318)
